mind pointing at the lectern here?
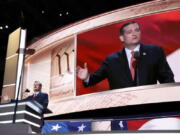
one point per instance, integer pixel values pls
(28, 112)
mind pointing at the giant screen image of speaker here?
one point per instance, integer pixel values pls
(60, 53)
(94, 46)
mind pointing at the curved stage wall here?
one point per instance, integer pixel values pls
(91, 40)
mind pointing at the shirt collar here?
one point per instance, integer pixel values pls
(36, 93)
(137, 48)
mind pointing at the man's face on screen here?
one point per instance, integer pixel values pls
(132, 35)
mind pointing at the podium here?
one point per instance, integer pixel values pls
(28, 112)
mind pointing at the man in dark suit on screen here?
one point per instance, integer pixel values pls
(136, 64)
(39, 96)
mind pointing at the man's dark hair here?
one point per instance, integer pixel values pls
(126, 24)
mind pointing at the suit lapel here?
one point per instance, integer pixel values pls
(125, 66)
(142, 64)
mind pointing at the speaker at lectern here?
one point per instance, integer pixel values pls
(28, 112)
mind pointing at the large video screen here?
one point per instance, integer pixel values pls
(94, 46)
(55, 64)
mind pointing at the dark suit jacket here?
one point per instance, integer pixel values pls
(41, 98)
(152, 67)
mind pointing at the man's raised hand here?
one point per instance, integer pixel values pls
(82, 73)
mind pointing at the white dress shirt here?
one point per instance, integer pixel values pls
(36, 93)
(129, 55)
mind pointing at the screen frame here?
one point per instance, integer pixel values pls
(140, 10)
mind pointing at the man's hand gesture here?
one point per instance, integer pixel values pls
(82, 73)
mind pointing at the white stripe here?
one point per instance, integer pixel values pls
(7, 121)
(7, 58)
(13, 84)
(31, 105)
(11, 104)
(21, 112)
(21, 120)
(29, 122)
